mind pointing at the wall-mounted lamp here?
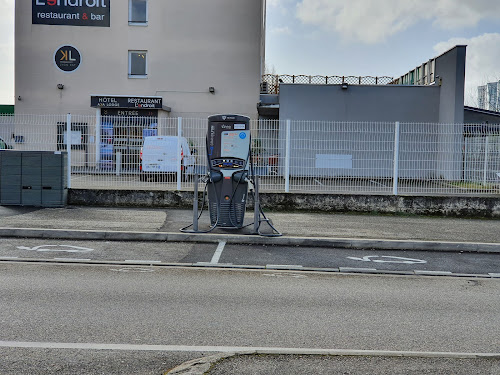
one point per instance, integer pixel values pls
(344, 86)
(60, 86)
(211, 89)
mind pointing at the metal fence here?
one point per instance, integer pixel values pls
(289, 156)
(270, 83)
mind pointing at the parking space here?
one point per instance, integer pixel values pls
(148, 252)
(390, 260)
(222, 254)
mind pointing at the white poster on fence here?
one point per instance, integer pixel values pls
(333, 161)
(76, 137)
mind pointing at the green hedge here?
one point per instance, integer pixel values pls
(6, 109)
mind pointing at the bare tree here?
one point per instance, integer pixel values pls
(472, 94)
(269, 68)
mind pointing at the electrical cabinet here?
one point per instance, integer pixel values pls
(33, 178)
(10, 178)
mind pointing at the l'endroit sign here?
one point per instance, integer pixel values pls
(71, 12)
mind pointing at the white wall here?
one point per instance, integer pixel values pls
(191, 45)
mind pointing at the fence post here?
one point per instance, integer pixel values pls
(395, 174)
(68, 146)
(287, 157)
(97, 137)
(256, 206)
(179, 164)
(118, 163)
(486, 152)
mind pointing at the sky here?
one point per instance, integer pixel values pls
(382, 37)
(352, 37)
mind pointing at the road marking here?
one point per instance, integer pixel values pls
(218, 252)
(236, 349)
(494, 274)
(9, 257)
(132, 269)
(280, 275)
(57, 248)
(74, 259)
(142, 261)
(391, 259)
(284, 266)
(422, 272)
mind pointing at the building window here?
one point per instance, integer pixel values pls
(137, 64)
(138, 12)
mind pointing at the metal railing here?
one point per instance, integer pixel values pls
(271, 82)
(290, 156)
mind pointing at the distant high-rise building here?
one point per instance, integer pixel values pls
(488, 96)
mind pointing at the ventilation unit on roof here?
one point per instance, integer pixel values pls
(264, 88)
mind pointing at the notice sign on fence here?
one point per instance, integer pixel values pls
(71, 12)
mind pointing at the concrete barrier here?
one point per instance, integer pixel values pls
(453, 206)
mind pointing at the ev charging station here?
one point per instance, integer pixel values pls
(230, 177)
(228, 142)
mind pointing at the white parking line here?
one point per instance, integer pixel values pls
(436, 273)
(283, 266)
(142, 261)
(236, 349)
(74, 259)
(218, 252)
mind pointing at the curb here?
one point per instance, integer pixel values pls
(285, 268)
(345, 243)
(200, 366)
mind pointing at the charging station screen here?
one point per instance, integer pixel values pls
(235, 144)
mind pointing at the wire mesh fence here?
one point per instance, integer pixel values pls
(272, 81)
(144, 153)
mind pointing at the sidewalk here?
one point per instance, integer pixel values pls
(298, 228)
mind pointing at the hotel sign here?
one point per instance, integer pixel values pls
(70, 12)
(143, 102)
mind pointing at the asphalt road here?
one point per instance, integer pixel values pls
(198, 310)
(199, 254)
(327, 365)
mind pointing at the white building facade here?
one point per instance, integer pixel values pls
(162, 58)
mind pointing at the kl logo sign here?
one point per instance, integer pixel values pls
(67, 58)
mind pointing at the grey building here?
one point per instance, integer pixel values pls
(432, 92)
(352, 123)
(478, 116)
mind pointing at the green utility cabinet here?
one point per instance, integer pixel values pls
(33, 178)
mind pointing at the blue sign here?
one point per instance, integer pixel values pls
(243, 135)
